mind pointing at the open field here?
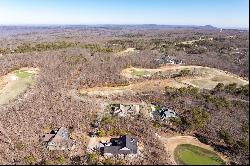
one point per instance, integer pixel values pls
(187, 154)
(15, 83)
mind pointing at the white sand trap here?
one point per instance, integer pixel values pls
(13, 78)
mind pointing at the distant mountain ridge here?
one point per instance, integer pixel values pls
(113, 26)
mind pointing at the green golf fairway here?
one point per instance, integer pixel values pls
(193, 155)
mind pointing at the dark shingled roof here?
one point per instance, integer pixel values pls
(122, 145)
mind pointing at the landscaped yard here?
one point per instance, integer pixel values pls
(188, 154)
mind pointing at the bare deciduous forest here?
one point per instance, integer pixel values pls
(74, 57)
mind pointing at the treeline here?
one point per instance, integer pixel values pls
(50, 46)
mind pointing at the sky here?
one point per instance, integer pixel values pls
(219, 13)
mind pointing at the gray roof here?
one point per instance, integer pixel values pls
(122, 145)
(59, 141)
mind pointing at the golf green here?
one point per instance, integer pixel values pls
(193, 155)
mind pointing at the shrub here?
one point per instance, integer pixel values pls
(101, 133)
(61, 160)
(244, 143)
(231, 88)
(30, 160)
(92, 158)
(245, 128)
(199, 118)
(224, 134)
(219, 87)
(108, 119)
(185, 72)
(108, 161)
(156, 125)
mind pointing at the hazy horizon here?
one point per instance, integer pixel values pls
(218, 13)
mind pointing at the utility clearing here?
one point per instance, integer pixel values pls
(15, 83)
(189, 150)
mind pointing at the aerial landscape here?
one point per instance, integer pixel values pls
(123, 93)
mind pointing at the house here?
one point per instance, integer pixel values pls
(166, 59)
(162, 113)
(166, 113)
(59, 140)
(123, 110)
(124, 145)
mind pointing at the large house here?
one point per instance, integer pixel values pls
(59, 140)
(123, 110)
(162, 113)
(166, 59)
(124, 145)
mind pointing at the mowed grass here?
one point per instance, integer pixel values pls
(193, 155)
(211, 83)
(138, 73)
(23, 74)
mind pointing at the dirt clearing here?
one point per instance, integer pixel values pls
(152, 85)
(127, 51)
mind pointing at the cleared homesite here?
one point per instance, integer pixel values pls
(15, 83)
(176, 76)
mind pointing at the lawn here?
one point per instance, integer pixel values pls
(193, 155)
(138, 73)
